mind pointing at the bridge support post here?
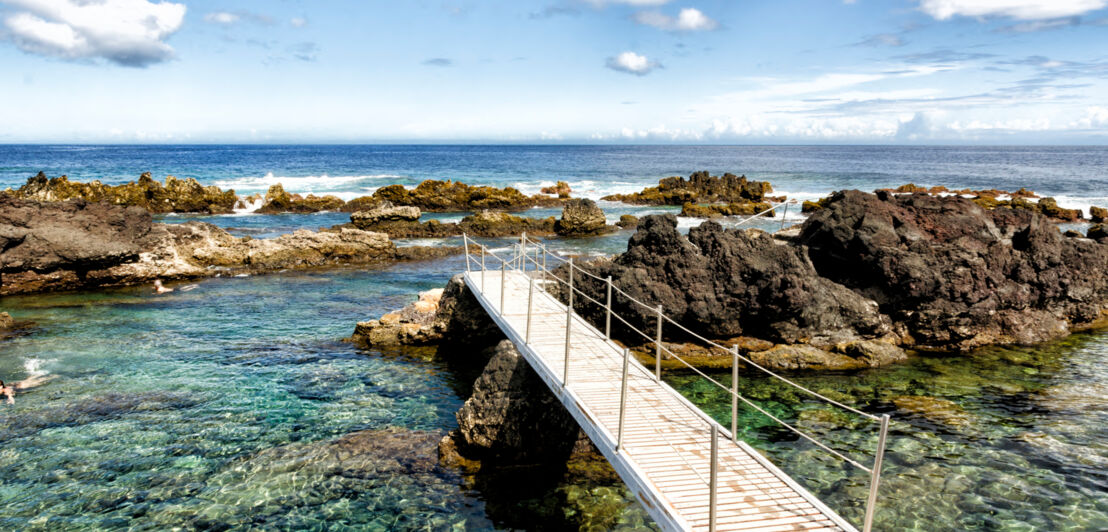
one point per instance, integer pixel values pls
(623, 398)
(875, 475)
(503, 283)
(735, 393)
(569, 322)
(530, 297)
(608, 318)
(712, 479)
(658, 348)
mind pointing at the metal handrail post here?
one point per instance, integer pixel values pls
(465, 242)
(544, 252)
(523, 252)
(503, 281)
(783, 214)
(658, 348)
(875, 474)
(623, 398)
(735, 393)
(608, 318)
(530, 297)
(483, 268)
(569, 322)
(713, 476)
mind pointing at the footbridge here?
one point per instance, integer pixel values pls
(688, 471)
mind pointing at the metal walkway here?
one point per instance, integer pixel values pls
(686, 469)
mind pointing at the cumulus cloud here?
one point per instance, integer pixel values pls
(1017, 9)
(298, 22)
(632, 63)
(1096, 117)
(689, 19)
(125, 32)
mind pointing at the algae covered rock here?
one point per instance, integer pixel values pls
(1098, 214)
(628, 221)
(581, 217)
(384, 212)
(278, 201)
(561, 189)
(497, 223)
(1098, 232)
(700, 187)
(451, 196)
(176, 195)
(715, 210)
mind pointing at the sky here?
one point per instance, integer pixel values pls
(555, 71)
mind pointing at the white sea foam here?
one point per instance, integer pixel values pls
(33, 366)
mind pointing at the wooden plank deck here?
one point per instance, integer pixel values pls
(665, 457)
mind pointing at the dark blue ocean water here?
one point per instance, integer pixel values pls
(1076, 175)
(218, 406)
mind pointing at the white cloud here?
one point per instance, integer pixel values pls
(1095, 117)
(221, 17)
(1017, 9)
(632, 63)
(298, 22)
(125, 32)
(689, 19)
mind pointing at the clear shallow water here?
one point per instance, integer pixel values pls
(229, 404)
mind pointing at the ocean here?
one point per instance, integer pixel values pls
(217, 408)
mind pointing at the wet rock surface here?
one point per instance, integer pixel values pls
(176, 195)
(278, 201)
(700, 187)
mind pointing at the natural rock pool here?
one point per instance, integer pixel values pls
(237, 405)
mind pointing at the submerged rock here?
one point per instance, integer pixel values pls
(940, 411)
(177, 195)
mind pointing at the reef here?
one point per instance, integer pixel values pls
(700, 187)
(452, 196)
(580, 217)
(278, 201)
(716, 210)
(987, 199)
(175, 196)
(76, 244)
(863, 279)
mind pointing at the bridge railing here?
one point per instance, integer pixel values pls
(530, 256)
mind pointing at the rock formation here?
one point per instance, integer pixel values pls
(867, 275)
(560, 189)
(581, 217)
(278, 201)
(715, 210)
(700, 187)
(177, 195)
(1098, 214)
(76, 244)
(987, 199)
(451, 196)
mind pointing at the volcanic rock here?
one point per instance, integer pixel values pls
(278, 201)
(450, 196)
(581, 217)
(561, 189)
(700, 187)
(177, 195)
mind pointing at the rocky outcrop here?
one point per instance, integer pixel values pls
(628, 221)
(700, 187)
(452, 196)
(955, 275)
(864, 278)
(76, 244)
(278, 201)
(560, 189)
(988, 199)
(716, 210)
(451, 316)
(177, 195)
(6, 322)
(581, 217)
(512, 416)
(1098, 214)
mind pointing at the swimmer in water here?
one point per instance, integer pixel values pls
(8, 391)
(159, 289)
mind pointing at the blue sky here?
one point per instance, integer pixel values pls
(594, 71)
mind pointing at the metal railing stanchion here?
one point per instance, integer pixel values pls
(569, 321)
(608, 318)
(530, 297)
(483, 268)
(713, 476)
(735, 393)
(875, 475)
(523, 252)
(784, 212)
(658, 348)
(503, 281)
(465, 242)
(623, 398)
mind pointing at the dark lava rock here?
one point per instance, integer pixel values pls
(76, 235)
(728, 282)
(958, 276)
(278, 201)
(512, 416)
(628, 221)
(581, 217)
(451, 196)
(1098, 232)
(1098, 214)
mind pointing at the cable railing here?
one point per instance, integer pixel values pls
(534, 253)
